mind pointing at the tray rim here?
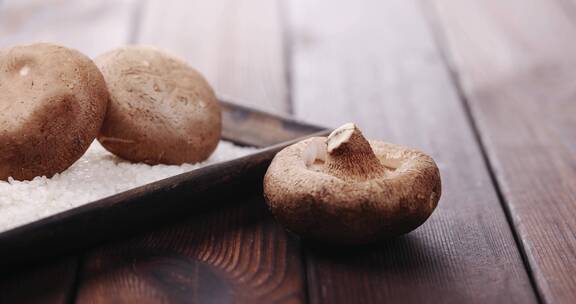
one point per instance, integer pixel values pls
(9, 239)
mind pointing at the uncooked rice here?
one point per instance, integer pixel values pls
(96, 175)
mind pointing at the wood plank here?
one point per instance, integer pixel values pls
(236, 44)
(228, 255)
(91, 27)
(37, 283)
(516, 61)
(237, 254)
(375, 62)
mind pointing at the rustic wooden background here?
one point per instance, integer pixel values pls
(487, 87)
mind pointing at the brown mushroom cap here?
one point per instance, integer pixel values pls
(346, 189)
(52, 103)
(161, 109)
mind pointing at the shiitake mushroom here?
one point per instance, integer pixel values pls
(161, 111)
(52, 104)
(346, 189)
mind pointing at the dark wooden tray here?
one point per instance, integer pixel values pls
(163, 201)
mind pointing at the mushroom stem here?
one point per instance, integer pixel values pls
(349, 155)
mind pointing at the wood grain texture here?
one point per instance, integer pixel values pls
(375, 63)
(92, 27)
(230, 255)
(48, 283)
(236, 44)
(516, 61)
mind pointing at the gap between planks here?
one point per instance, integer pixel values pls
(375, 62)
(517, 58)
(221, 43)
(440, 41)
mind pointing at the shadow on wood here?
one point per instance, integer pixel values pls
(402, 254)
(46, 283)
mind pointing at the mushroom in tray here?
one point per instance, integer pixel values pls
(161, 110)
(346, 189)
(52, 104)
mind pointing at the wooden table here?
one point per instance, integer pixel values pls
(487, 87)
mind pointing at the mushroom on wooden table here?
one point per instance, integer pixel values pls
(346, 189)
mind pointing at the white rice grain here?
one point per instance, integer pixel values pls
(98, 174)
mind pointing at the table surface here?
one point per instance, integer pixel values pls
(486, 87)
